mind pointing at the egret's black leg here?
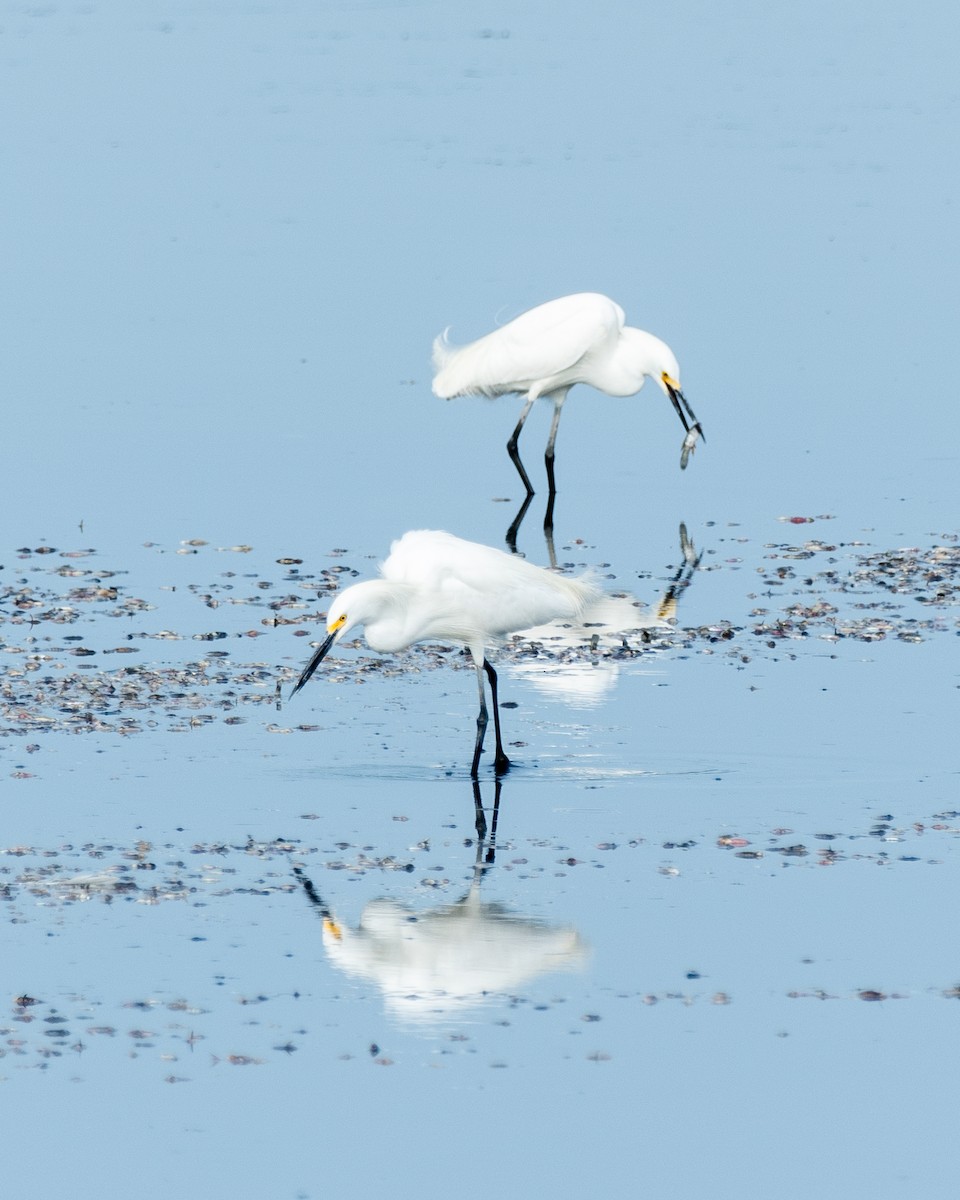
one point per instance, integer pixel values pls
(548, 457)
(515, 453)
(551, 481)
(501, 762)
(482, 719)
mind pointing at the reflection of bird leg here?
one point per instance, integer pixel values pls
(548, 529)
(491, 849)
(511, 537)
(312, 894)
(514, 452)
(514, 529)
(484, 860)
(480, 818)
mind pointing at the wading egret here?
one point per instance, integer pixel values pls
(435, 585)
(545, 351)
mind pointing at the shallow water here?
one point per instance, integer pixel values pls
(711, 941)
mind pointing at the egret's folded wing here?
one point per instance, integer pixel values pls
(426, 557)
(535, 346)
(494, 591)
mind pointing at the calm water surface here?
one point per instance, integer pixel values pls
(253, 950)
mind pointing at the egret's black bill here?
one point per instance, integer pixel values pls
(679, 398)
(314, 662)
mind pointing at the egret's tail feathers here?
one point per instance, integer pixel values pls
(442, 349)
(582, 592)
(464, 370)
(586, 590)
(443, 352)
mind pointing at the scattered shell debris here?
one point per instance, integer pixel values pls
(185, 1035)
(80, 645)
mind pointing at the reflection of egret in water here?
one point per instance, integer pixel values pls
(607, 624)
(432, 965)
(513, 531)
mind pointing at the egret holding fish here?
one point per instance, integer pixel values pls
(545, 351)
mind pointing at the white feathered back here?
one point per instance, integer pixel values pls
(531, 352)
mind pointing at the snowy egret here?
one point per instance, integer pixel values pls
(435, 585)
(545, 351)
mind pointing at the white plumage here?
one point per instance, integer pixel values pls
(435, 585)
(577, 339)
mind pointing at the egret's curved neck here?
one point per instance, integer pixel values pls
(384, 608)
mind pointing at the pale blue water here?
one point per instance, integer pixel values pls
(230, 234)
